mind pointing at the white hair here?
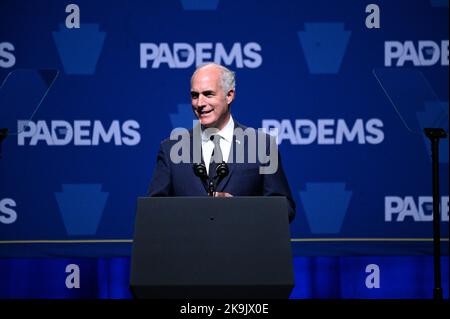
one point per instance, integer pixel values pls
(228, 77)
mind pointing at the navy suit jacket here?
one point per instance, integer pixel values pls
(244, 179)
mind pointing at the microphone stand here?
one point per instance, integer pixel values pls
(213, 182)
(435, 134)
(210, 184)
(221, 172)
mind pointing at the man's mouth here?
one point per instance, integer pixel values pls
(202, 113)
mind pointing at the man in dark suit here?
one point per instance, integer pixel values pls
(219, 139)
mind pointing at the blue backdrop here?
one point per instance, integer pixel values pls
(348, 85)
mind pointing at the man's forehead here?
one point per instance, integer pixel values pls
(211, 69)
(211, 72)
(205, 81)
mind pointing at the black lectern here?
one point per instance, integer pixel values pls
(203, 247)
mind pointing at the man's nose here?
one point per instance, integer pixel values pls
(201, 100)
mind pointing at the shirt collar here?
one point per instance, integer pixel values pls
(226, 133)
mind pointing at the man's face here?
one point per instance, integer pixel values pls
(209, 101)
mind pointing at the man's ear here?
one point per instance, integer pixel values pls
(230, 96)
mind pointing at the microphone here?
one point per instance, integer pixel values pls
(200, 170)
(222, 170)
(210, 183)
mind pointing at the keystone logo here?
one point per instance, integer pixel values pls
(79, 49)
(324, 46)
(200, 4)
(184, 117)
(81, 207)
(435, 115)
(325, 206)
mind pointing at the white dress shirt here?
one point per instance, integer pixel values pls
(226, 135)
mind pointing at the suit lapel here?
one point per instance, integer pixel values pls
(196, 156)
(231, 160)
(196, 145)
